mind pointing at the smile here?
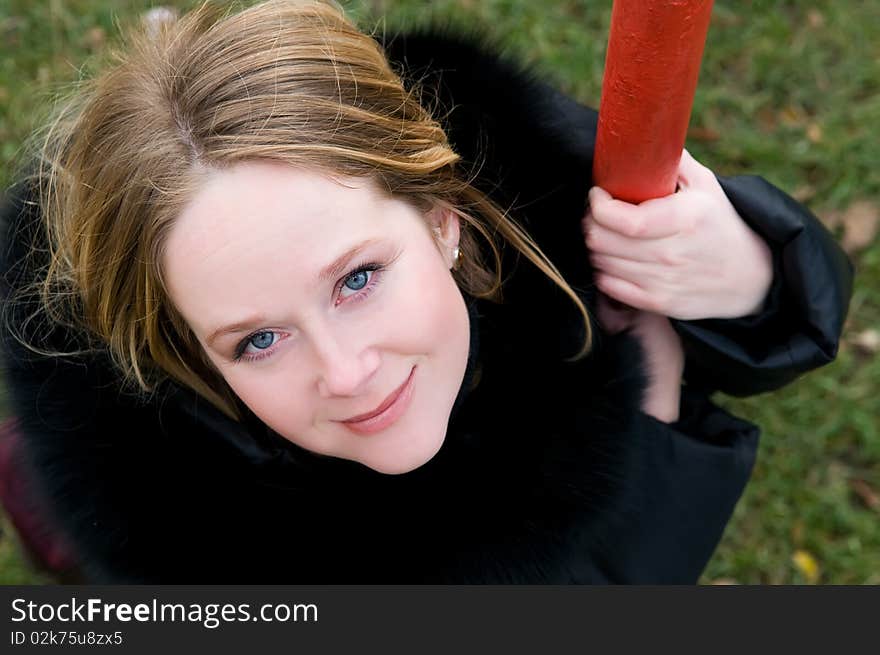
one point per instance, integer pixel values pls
(387, 413)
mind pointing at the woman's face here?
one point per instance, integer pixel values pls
(319, 302)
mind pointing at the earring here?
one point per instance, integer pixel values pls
(456, 257)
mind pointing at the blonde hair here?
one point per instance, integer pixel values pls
(283, 80)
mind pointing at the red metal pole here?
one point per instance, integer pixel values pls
(651, 70)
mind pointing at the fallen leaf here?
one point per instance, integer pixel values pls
(95, 38)
(860, 222)
(815, 18)
(866, 494)
(814, 132)
(703, 134)
(807, 565)
(792, 115)
(154, 19)
(804, 193)
(831, 219)
(868, 341)
(767, 120)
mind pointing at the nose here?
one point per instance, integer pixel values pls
(346, 366)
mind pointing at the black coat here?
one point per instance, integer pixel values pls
(550, 473)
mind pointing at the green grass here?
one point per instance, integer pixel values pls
(788, 90)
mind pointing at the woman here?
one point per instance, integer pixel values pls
(304, 343)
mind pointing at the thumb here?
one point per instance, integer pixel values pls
(597, 195)
(692, 174)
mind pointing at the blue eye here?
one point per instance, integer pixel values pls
(357, 280)
(261, 340)
(360, 282)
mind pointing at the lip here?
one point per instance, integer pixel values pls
(386, 413)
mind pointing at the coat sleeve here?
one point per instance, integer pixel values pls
(800, 324)
(690, 474)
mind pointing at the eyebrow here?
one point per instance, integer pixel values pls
(329, 272)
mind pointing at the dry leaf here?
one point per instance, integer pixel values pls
(804, 193)
(815, 18)
(866, 494)
(95, 38)
(860, 226)
(867, 341)
(831, 219)
(767, 120)
(703, 134)
(807, 565)
(792, 115)
(814, 132)
(154, 19)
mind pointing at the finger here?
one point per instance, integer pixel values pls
(652, 219)
(623, 268)
(626, 292)
(692, 174)
(601, 240)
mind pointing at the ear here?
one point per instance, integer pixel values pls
(445, 228)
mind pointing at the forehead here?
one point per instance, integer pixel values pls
(259, 197)
(262, 228)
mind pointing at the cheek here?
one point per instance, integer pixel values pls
(272, 394)
(283, 402)
(429, 316)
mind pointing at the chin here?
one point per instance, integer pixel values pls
(398, 463)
